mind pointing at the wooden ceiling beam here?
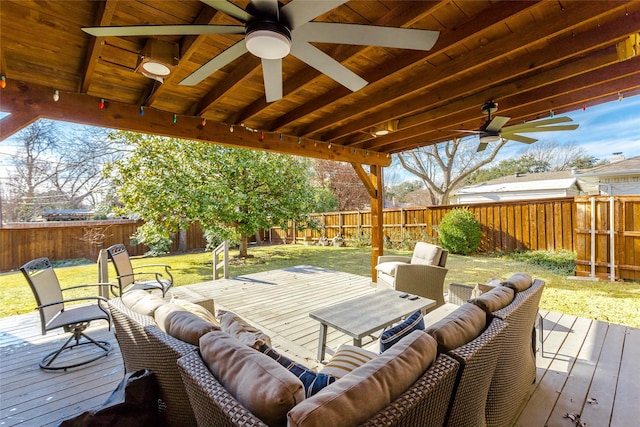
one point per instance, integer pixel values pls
(30, 101)
(395, 18)
(447, 95)
(573, 16)
(536, 83)
(104, 14)
(628, 81)
(493, 15)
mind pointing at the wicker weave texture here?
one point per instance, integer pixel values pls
(425, 402)
(212, 404)
(459, 294)
(516, 371)
(478, 360)
(144, 346)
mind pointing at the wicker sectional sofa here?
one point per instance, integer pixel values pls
(443, 375)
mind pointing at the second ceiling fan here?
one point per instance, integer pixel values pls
(492, 130)
(273, 31)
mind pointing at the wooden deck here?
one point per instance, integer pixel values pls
(588, 367)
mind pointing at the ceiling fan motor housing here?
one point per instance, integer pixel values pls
(268, 39)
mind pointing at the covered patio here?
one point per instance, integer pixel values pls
(588, 367)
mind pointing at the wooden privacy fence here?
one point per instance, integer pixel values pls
(22, 242)
(506, 226)
(580, 224)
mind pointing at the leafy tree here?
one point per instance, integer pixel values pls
(171, 183)
(402, 190)
(343, 182)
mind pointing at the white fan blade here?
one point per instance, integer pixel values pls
(225, 57)
(163, 30)
(543, 122)
(327, 65)
(272, 75)
(547, 128)
(367, 35)
(267, 8)
(496, 123)
(229, 8)
(299, 12)
(519, 138)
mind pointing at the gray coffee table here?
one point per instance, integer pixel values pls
(359, 317)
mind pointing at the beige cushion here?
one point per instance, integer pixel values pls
(346, 359)
(142, 302)
(494, 300)
(359, 395)
(389, 267)
(257, 381)
(459, 327)
(188, 327)
(197, 309)
(519, 282)
(426, 253)
(237, 327)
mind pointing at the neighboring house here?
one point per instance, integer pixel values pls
(620, 177)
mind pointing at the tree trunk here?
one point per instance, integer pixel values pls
(182, 240)
(243, 245)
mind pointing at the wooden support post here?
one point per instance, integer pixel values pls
(373, 183)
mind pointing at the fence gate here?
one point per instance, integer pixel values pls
(607, 237)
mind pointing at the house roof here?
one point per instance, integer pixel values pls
(527, 177)
(622, 167)
(547, 184)
(532, 57)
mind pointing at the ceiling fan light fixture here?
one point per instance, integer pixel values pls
(268, 40)
(488, 139)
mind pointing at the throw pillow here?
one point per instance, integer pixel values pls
(494, 300)
(142, 302)
(481, 288)
(459, 327)
(359, 395)
(389, 267)
(313, 381)
(391, 336)
(196, 309)
(237, 327)
(519, 282)
(346, 359)
(188, 327)
(258, 382)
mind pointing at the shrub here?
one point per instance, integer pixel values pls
(460, 232)
(559, 262)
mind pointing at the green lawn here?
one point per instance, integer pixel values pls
(612, 302)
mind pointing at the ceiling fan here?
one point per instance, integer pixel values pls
(492, 130)
(273, 31)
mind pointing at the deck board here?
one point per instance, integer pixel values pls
(588, 367)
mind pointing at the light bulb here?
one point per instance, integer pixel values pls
(56, 95)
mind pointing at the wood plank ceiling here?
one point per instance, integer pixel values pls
(531, 57)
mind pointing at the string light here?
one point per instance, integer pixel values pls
(101, 104)
(231, 128)
(280, 137)
(3, 82)
(551, 113)
(204, 122)
(299, 140)
(315, 144)
(261, 136)
(329, 146)
(175, 118)
(141, 111)
(620, 96)
(584, 107)
(56, 95)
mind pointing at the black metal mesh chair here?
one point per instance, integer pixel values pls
(129, 278)
(54, 314)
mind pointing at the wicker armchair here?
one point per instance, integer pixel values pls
(145, 346)
(516, 371)
(423, 404)
(422, 274)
